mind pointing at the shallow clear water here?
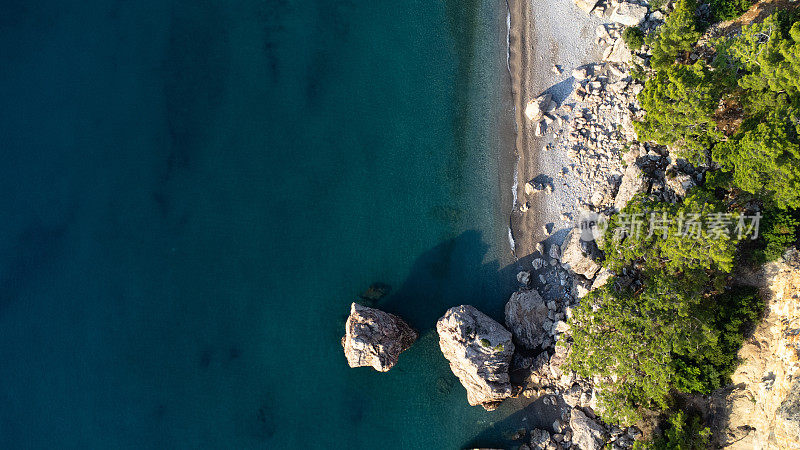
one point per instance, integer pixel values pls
(195, 192)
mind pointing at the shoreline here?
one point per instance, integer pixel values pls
(542, 34)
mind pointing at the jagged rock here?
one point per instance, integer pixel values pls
(524, 207)
(537, 263)
(619, 53)
(375, 338)
(586, 433)
(558, 359)
(789, 412)
(540, 128)
(555, 251)
(602, 278)
(526, 314)
(560, 327)
(586, 5)
(761, 410)
(572, 254)
(538, 107)
(524, 278)
(572, 396)
(629, 14)
(479, 351)
(680, 183)
(602, 33)
(580, 74)
(539, 439)
(633, 182)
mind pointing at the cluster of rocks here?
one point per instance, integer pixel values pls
(539, 111)
(533, 346)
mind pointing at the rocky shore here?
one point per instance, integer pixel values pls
(580, 158)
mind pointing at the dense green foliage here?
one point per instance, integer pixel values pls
(766, 158)
(676, 36)
(676, 327)
(778, 231)
(672, 319)
(633, 37)
(681, 239)
(729, 9)
(767, 55)
(680, 102)
(681, 433)
(765, 154)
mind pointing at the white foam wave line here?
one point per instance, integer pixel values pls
(508, 37)
(511, 241)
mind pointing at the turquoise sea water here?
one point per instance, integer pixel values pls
(195, 191)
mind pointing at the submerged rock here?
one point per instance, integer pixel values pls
(526, 314)
(375, 292)
(479, 351)
(375, 338)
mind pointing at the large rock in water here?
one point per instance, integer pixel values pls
(573, 254)
(479, 351)
(375, 338)
(586, 433)
(526, 313)
(633, 182)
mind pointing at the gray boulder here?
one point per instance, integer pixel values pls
(572, 253)
(479, 351)
(586, 5)
(586, 433)
(375, 338)
(629, 14)
(633, 182)
(526, 314)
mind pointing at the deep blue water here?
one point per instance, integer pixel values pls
(194, 192)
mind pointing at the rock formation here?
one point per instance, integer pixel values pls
(573, 255)
(538, 107)
(375, 338)
(586, 433)
(761, 408)
(633, 182)
(586, 5)
(629, 14)
(479, 351)
(526, 314)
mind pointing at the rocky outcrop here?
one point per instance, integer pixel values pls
(526, 314)
(538, 107)
(761, 408)
(602, 278)
(618, 53)
(479, 351)
(633, 182)
(586, 5)
(629, 14)
(586, 433)
(573, 255)
(375, 338)
(680, 183)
